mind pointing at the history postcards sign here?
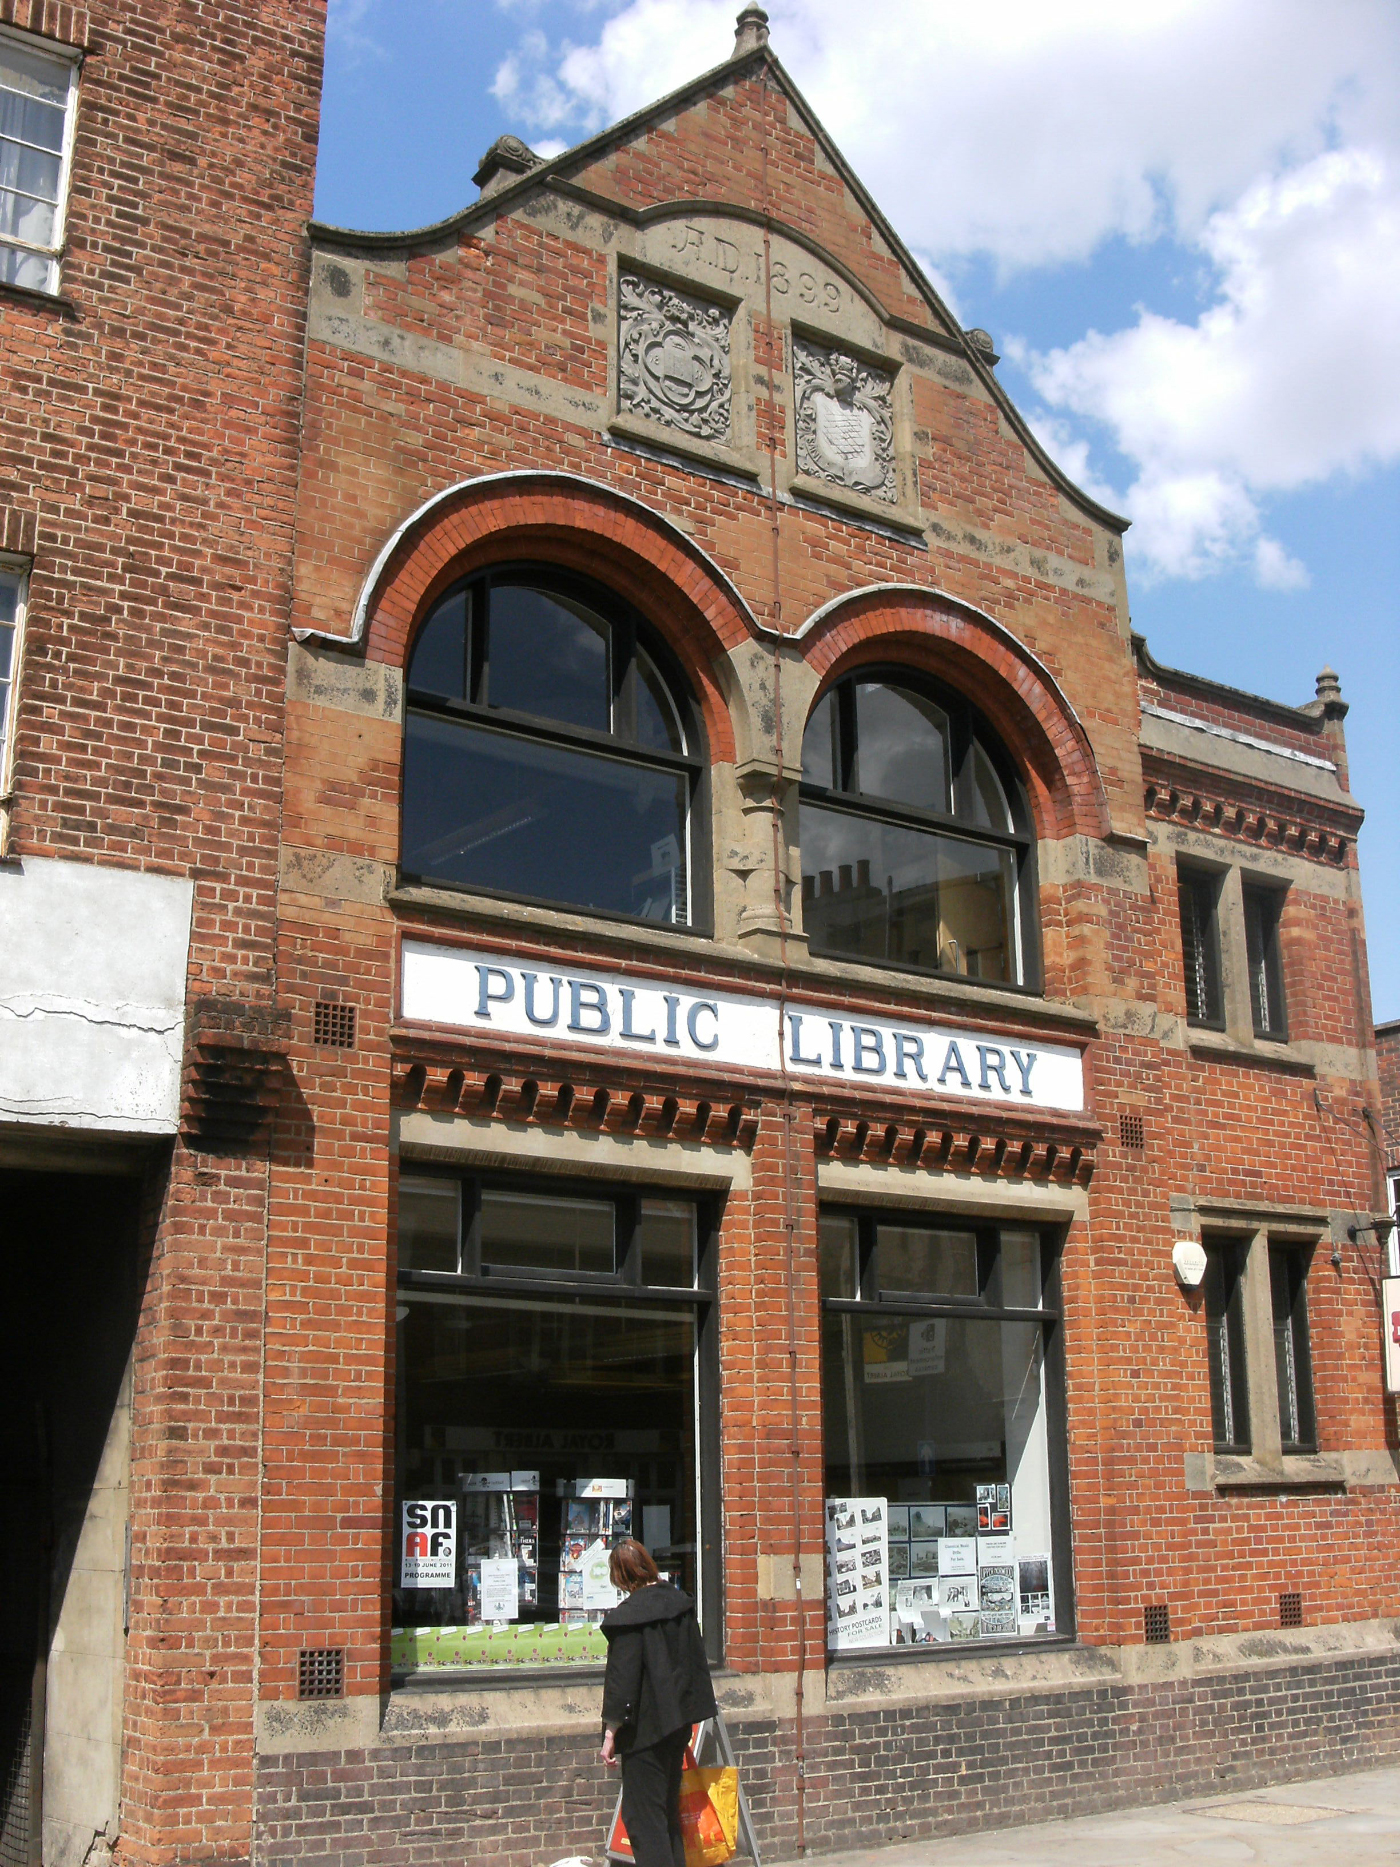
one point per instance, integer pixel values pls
(630, 1012)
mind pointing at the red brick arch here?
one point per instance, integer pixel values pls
(970, 651)
(579, 525)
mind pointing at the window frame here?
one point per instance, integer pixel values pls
(1198, 883)
(15, 571)
(622, 618)
(1259, 899)
(702, 1297)
(71, 56)
(875, 1305)
(966, 726)
(1226, 1258)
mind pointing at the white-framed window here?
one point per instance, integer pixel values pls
(14, 585)
(38, 96)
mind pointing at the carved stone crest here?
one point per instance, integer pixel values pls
(673, 358)
(845, 421)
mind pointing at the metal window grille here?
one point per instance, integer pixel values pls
(335, 1025)
(1131, 1133)
(1290, 1609)
(321, 1672)
(1156, 1622)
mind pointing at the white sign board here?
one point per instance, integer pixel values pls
(1390, 1322)
(500, 1588)
(857, 1573)
(429, 1543)
(625, 1012)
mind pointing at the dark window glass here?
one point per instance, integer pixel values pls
(1229, 1386)
(1200, 947)
(429, 1225)
(538, 1424)
(890, 891)
(547, 656)
(916, 1259)
(592, 807)
(936, 1410)
(1292, 1359)
(1262, 908)
(894, 776)
(666, 1242)
(546, 1232)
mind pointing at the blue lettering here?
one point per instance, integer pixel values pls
(953, 1061)
(864, 1039)
(598, 1003)
(673, 1005)
(795, 1053)
(1025, 1064)
(915, 1046)
(486, 998)
(989, 1068)
(702, 1004)
(530, 980)
(833, 1025)
(627, 995)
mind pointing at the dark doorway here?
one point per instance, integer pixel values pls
(69, 1294)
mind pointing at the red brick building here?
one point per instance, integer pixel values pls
(608, 928)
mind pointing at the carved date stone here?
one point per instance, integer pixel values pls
(845, 422)
(673, 358)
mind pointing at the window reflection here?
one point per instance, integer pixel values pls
(548, 656)
(901, 747)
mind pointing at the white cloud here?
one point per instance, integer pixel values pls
(1261, 135)
(1291, 376)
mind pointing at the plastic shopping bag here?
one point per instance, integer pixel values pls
(709, 1817)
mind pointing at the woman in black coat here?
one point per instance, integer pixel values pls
(656, 1687)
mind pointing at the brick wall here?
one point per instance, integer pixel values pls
(896, 1774)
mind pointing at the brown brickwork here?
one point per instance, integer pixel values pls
(208, 448)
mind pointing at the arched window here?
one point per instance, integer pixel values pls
(916, 838)
(550, 751)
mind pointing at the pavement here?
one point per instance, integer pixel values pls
(1351, 1821)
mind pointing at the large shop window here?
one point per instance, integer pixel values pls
(916, 836)
(556, 1392)
(942, 1395)
(551, 752)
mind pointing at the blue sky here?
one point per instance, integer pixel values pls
(1180, 221)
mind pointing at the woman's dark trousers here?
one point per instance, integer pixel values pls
(651, 1801)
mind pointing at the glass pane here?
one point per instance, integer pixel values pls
(550, 1429)
(990, 808)
(882, 891)
(429, 1225)
(544, 1232)
(901, 747)
(31, 171)
(1199, 950)
(7, 642)
(548, 656)
(33, 75)
(23, 218)
(9, 597)
(1261, 916)
(666, 1239)
(27, 120)
(1019, 1261)
(916, 1258)
(837, 1236)
(938, 1428)
(439, 659)
(31, 270)
(492, 810)
(1224, 1313)
(658, 724)
(1292, 1366)
(820, 759)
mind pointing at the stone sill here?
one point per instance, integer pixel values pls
(590, 938)
(1224, 1473)
(51, 301)
(666, 440)
(1260, 1053)
(844, 502)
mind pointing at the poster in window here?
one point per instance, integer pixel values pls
(957, 1555)
(928, 1346)
(962, 1520)
(1035, 1588)
(429, 1543)
(958, 1594)
(1390, 1316)
(885, 1352)
(857, 1573)
(500, 1588)
(996, 1586)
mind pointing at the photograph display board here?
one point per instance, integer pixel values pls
(948, 1579)
(857, 1573)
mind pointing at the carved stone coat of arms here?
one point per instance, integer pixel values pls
(845, 422)
(673, 361)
